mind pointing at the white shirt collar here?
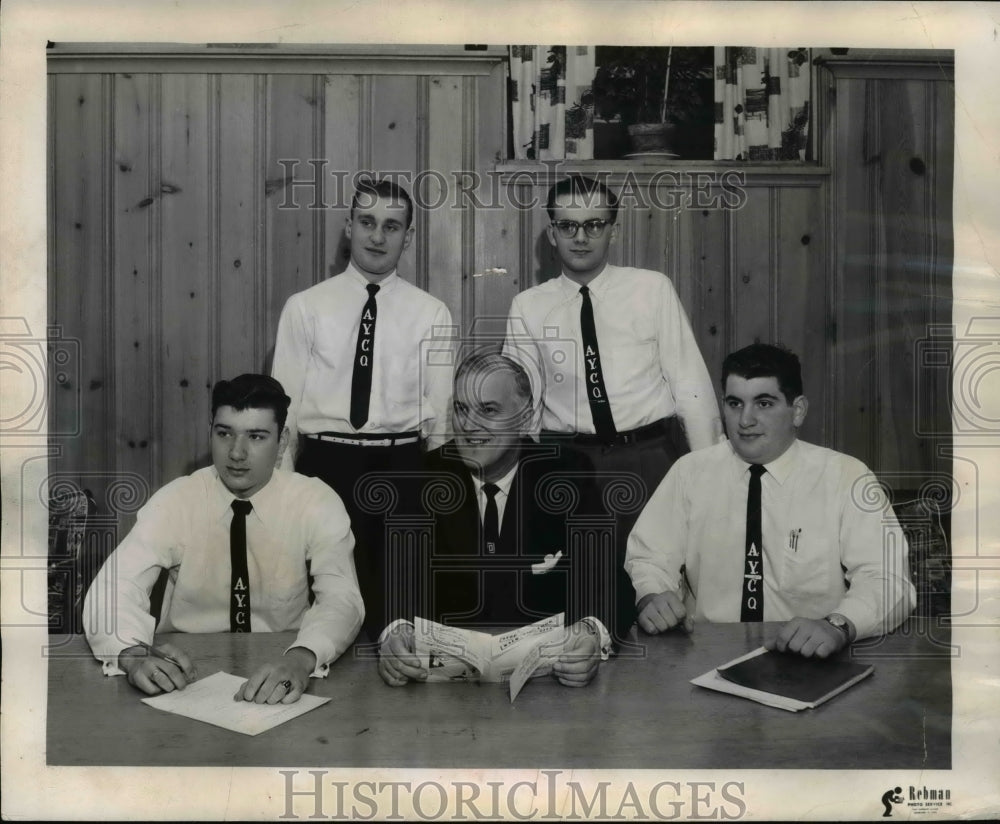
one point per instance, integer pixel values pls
(385, 283)
(779, 469)
(264, 500)
(597, 286)
(503, 483)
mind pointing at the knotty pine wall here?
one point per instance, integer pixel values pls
(175, 237)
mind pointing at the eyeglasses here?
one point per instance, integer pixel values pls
(568, 228)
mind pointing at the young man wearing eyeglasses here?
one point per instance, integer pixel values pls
(623, 379)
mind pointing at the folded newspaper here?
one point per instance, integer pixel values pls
(453, 654)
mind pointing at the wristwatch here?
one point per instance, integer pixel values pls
(840, 622)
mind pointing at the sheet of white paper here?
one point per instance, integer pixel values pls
(210, 700)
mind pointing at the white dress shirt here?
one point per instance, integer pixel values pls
(831, 541)
(298, 527)
(503, 491)
(651, 363)
(411, 370)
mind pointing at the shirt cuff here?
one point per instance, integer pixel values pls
(865, 622)
(110, 669)
(109, 661)
(654, 586)
(602, 634)
(398, 622)
(321, 670)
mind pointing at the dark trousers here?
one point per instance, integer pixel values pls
(374, 482)
(626, 475)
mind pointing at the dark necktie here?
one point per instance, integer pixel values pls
(239, 591)
(361, 382)
(752, 607)
(491, 519)
(597, 395)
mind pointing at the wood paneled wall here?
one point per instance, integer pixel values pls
(889, 140)
(189, 197)
(179, 225)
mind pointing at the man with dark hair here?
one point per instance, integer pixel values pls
(766, 527)
(365, 357)
(243, 546)
(502, 555)
(622, 378)
(761, 360)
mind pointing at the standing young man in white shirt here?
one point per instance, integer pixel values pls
(765, 527)
(353, 353)
(623, 379)
(244, 547)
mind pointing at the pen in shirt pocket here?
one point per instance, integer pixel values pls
(793, 539)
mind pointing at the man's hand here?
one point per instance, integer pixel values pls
(658, 613)
(808, 637)
(153, 674)
(580, 658)
(397, 662)
(284, 679)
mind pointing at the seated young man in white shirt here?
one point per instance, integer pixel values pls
(243, 546)
(829, 558)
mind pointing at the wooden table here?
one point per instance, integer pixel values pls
(641, 712)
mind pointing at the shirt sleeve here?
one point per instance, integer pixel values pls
(603, 636)
(874, 555)
(292, 349)
(520, 347)
(438, 371)
(684, 370)
(116, 610)
(332, 622)
(655, 549)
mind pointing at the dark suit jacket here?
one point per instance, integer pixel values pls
(552, 507)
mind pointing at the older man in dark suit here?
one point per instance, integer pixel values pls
(503, 555)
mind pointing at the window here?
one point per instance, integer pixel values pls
(659, 103)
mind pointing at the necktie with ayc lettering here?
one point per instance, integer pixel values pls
(752, 606)
(361, 381)
(597, 395)
(239, 591)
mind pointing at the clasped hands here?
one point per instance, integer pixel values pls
(281, 680)
(575, 667)
(809, 637)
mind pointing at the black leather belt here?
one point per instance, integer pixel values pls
(657, 429)
(366, 439)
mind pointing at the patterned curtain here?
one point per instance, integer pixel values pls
(761, 103)
(552, 101)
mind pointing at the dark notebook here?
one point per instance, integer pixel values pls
(809, 680)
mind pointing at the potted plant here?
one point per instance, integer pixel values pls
(652, 91)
